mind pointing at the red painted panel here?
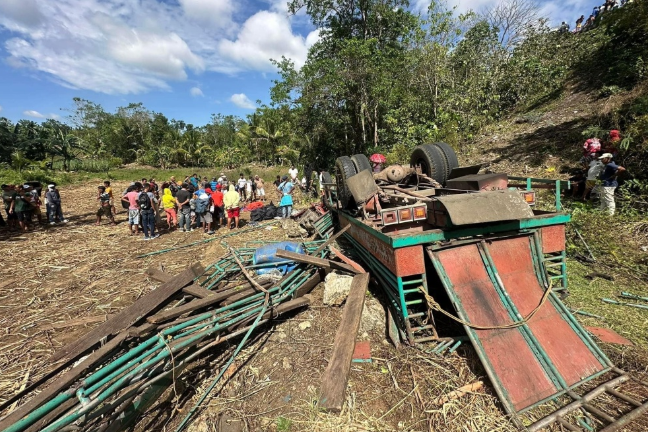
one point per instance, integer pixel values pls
(407, 261)
(553, 238)
(512, 360)
(572, 358)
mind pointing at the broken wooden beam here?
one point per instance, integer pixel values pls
(129, 316)
(337, 373)
(318, 262)
(331, 240)
(346, 259)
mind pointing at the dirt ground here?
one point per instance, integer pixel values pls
(60, 281)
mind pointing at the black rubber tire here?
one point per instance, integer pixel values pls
(326, 177)
(344, 169)
(360, 162)
(450, 157)
(432, 161)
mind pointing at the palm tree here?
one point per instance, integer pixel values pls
(64, 145)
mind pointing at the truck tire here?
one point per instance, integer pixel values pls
(344, 169)
(360, 162)
(450, 157)
(326, 177)
(432, 162)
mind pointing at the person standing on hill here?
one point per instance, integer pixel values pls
(593, 173)
(610, 183)
(590, 148)
(242, 184)
(231, 201)
(579, 23)
(293, 172)
(148, 209)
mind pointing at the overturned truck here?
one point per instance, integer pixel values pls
(453, 248)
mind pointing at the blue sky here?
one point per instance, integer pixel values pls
(185, 58)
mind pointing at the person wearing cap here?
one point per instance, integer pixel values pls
(286, 189)
(53, 205)
(609, 178)
(8, 197)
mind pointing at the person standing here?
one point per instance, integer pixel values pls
(182, 200)
(8, 197)
(579, 23)
(260, 187)
(242, 184)
(21, 207)
(286, 189)
(610, 183)
(231, 201)
(593, 172)
(105, 206)
(169, 206)
(217, 199)
(133, 209)
(54, 209)
(148, 209)
(293, 173)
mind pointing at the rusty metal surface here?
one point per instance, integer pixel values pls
(564, 347)
(608, 336)
(467, 209)
(553, 238)
(406, 261)
(464, 171)
(362, 186)
(505, 349)
(479, 182)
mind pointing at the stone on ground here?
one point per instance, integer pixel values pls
(336, 288)
(373, 318)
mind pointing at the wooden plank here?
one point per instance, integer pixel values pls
(60, 384)
(331, 240)
(197, 291)
(129, 316)
(191, 306)
(158, 274)
(347, 260)
(337, 373)
(310, 284)
(318, 262)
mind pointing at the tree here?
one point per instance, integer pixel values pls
(512, 19)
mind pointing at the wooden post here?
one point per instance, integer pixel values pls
(337, 373)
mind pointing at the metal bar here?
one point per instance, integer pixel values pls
(614, 302)
(633, 296)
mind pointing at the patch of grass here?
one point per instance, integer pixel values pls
(586, 296)
(283, 424)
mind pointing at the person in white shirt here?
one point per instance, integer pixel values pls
(242, 184)
(595, 168)
(293, 173)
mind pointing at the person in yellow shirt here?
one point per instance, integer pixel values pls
(109, 191)
(232, 201)
(169, 205)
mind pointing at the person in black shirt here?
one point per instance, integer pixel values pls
(182, 199)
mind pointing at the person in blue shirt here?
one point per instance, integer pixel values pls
(285, 189)
(610, 183)
(194, 181)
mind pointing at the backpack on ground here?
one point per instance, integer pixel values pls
(144, 201)
(257, 215)
(269, 212)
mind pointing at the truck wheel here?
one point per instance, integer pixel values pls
(360, 162)
(344, 169)
(432, 161)
(326, 177)
(450, 157)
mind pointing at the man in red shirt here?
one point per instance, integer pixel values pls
(217, 198)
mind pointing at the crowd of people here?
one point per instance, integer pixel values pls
(584, 24)
(196, 203)
(598, 172)
(23, 204)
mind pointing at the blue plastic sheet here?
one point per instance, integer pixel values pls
(268, 254)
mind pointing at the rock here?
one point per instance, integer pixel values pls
(285, 363)
(304, 325)
(373, 317)
(336, 288)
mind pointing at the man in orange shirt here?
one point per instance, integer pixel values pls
(217, 199)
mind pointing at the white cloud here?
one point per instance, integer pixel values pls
(32, 113)
(195, 91)
(212, 12)
(264, 36)
(134, 46)
(242, 101)
(18, 13)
